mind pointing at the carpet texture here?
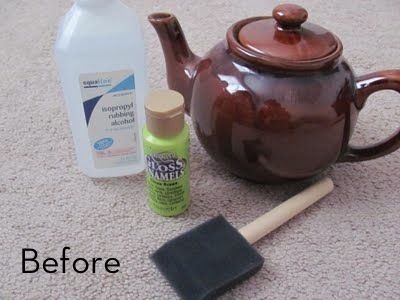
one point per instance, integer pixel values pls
(345, 247)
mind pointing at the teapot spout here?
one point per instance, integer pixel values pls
(181, 63)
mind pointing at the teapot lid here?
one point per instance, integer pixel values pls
(285, 40)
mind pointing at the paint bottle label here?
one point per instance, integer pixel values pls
(109, 104)
(168, 173)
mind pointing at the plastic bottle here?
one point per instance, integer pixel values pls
(166, 147)
(101, 60)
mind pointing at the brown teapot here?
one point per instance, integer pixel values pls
(276, 100)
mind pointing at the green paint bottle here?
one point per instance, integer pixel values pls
(166, 150)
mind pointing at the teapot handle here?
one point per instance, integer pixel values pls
(366, 86)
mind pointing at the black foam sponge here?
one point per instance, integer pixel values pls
(208, 260)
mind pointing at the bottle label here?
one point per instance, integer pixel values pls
(109, 103)
(165, 166)
(168, 179)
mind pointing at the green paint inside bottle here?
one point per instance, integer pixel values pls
(167, 165)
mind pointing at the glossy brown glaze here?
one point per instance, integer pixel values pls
(259, 41)
(309, 43)
(271, 120)
(268, 126)
(366, 86)
(289, 16)
(181, 63)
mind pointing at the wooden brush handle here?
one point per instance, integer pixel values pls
(285, 211)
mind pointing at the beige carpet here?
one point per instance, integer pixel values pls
(345, 247)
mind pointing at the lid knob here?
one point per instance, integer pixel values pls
(289, 16)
